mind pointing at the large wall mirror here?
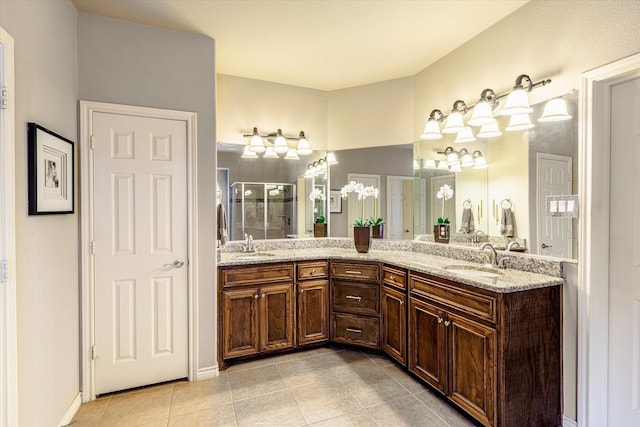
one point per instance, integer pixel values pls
(523, 167)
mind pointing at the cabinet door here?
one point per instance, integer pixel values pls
(472, 370)
(276, 317)
(240, 312)
(427, 348)
(394, 324)
(313, 311)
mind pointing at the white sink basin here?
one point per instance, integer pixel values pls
(472, 271)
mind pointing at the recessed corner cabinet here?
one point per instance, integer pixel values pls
(496, 356)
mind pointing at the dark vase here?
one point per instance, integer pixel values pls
(362, 238)
(441, 233)
(320, 229)
(377, 231)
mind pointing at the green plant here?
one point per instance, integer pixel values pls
(374, 221)
(321, 219)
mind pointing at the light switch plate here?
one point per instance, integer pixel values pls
(562, 206)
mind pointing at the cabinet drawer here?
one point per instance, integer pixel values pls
(477, 304)
(356, 330)
(313, 270)
(257, 275)
(354, 297)
(394, 277)
(355, 271)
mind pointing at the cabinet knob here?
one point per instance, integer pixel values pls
(313, 271)
(392, 277)
(256, 296)
(264, 295)
(447, 323)
(401, 302)
(440, 319)
(302, 291)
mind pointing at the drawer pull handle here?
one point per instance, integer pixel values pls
(354, 297)
(357, 331)
(353, 272)
(392, 277)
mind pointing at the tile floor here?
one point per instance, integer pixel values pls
(320, 387)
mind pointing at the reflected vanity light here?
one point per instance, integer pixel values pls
(331, 158)
(465, 135)
(489, 130)
(416, 164)
(456, 160)
(319, 167)
(466, 159)
(455, 121)
(480, 161)
(429, 164)
(519, 122)
(442, 165)
(555, 110)
(291, 155)
(270, 153)
(248, 154)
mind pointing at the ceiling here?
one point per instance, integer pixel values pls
(319, 44)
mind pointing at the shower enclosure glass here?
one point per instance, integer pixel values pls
(263, 210)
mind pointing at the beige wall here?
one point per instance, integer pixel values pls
(47, 246)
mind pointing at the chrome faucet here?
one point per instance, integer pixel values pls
(477, 236)
(248, 245)
(493, 260)
(513, 244)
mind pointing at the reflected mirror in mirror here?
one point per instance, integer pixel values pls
(523, 167)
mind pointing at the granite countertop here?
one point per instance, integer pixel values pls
(508, 280)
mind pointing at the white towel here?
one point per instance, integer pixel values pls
(467, 223)
(223, 235)
(506, 222)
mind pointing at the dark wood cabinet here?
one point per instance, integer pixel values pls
(313, 302)
(240, 326)
(355, 303)
(495, 355)
(276, 317)
(394, 313)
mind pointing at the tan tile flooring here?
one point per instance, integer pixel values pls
(320, 387)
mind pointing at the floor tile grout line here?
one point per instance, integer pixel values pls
(233, 403)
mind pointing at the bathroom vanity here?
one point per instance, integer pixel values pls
(487, 340)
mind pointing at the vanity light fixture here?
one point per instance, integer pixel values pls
(270, 153)
(456, 160)
(455, 121)
(466, 159)
(319, 167)
(416, 164)
(331, 158)
(429, 164)
(465, 135)
(248, 154)
(442, 165)
(517, 102)
(479, 160)
(278, 142)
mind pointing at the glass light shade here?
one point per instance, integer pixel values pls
(292, 155)
(555, 110)
(454, 123)
(270, 153)
(431, 130)
(416, 164)
(517, 103)
(248, 154)
(442, 165)
(465, 135)
(490, 130)
(280, 145)
(257, 145)
(481, 163)
(429, 164)
(452, 158)
(519, 122)
(456, 167)
(309, 172)
(304, 148)
(467, 161)
(331, 158)
(482, 114)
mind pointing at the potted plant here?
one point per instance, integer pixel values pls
(320, 224)
(361, 227)
(320, 227)
(441, 230)
(377, 227)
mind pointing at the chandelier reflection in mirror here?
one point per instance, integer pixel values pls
(454, 160)
(319, 167)
(516, 106)
(276, 145)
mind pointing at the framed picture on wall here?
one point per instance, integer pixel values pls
(335, 201)
(50, 172)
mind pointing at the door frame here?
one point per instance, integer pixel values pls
(8, 310)
(540, 208)
(391, 178)
(593, 260)
(87, 108)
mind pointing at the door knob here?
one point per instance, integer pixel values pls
(545, 246)
(176, 264)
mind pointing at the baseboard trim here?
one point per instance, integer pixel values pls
(71, 412)
(208, 372)
(568, 422)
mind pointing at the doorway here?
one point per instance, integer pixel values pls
(138, 245)
(399, 208)
(609, 191)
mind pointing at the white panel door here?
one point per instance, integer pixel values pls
(396, 202)
(554, 178)
(140, 241)
(624, 257)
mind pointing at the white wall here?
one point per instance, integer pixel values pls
(47, 246)
(126, 63)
